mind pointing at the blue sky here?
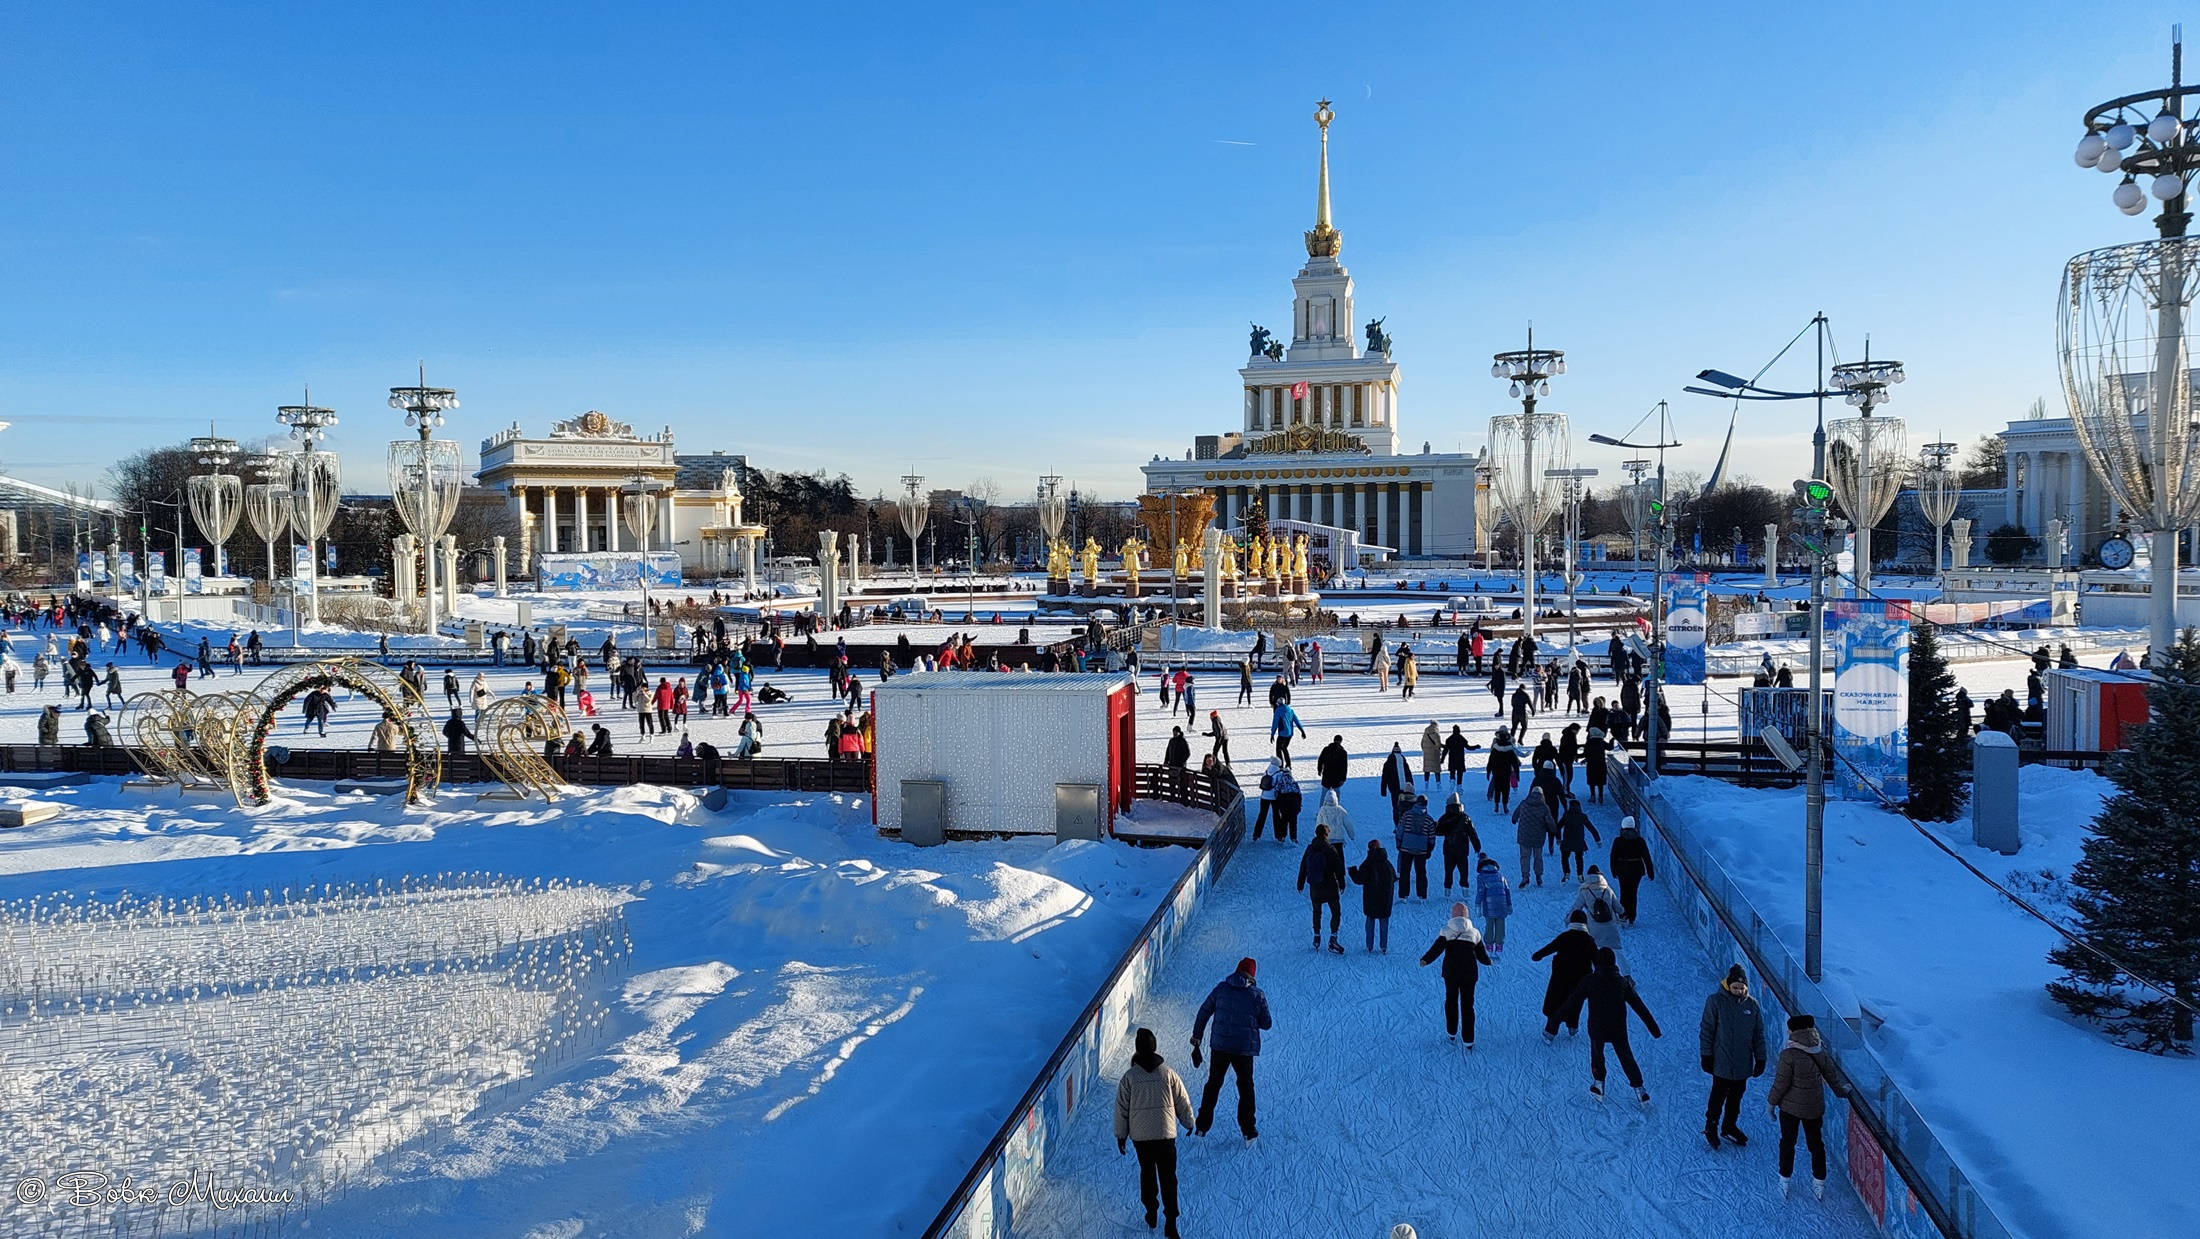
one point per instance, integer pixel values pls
(993, 242)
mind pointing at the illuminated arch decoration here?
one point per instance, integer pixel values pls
(247, 772)
(160, 739)
(512, 734)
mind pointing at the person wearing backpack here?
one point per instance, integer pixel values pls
(1596, 901)
(1532, 824)
(1375, 875)
(1416, 840)
(1459, 945)
(1268, 798)
(1494, 900)
(1322, 877)
(1288, 803)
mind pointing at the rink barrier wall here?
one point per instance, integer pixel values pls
(1007, 1174)
(323, 765)
(1906, 1179)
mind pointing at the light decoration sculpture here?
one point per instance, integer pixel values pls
(216, 498)
(424, 477)
(915, 507)
(1938, 492)
(1526, 447)
(315, 483)
(1860, 454)
(267, 506)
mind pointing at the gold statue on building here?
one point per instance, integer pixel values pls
(1298, 558)
(1057, 560)
(1091, 561)
(1182, 559)
(1132, 565)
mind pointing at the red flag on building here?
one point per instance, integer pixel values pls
(1298, 390)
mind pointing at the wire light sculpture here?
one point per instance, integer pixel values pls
(267, 508)
(915, 507)
(1938, 492)
(512, 734)
(216, 499)
(247, 767)
(1525, 447)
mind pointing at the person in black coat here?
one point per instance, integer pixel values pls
(1177, 756)
(1456, 746)
(1329, 765)
(1608, 993)
(1631, 864)
(1397, 784)
(456, 734)
(1376, 876)
(1460, 946)
(1572, 953)
(1593, 764)
(1461, 842)
(1322, 877)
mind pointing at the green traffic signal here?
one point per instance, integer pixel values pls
(1818, 493)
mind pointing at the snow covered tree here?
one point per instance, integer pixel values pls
(1940, 754)
(2139, 881)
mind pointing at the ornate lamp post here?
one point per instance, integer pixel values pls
(314, 483)
(1938, 493)
(1636, 470)
(638, 501)
(1053, 508)
(267, 506)
(424, 476)
(216, 498)
(1860, 452)
(1571, 482)
(1525, 489)
(1661, 538)
(2124, 326)
(915, 507)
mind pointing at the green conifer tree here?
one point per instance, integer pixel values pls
(1940, 754)
(2139, 881)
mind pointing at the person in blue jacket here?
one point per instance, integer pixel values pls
(1240, 1013)
(1281, 725)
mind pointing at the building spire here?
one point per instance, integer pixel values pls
(1324, 241)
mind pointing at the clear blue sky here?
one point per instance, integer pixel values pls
(993, 242)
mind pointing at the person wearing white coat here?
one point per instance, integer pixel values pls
(1332, 815)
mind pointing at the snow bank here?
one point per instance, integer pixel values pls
(796, 981)
(2061, 1131)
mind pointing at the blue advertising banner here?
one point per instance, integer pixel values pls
(99, 567)
(607, 570)
(1687, 626)
(1871, 698)
(156, 572)
(83, 569)
(301, 569)
(194, 573)
(126, 570)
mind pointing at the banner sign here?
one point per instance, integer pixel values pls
(301, 569)
(99, 567)
(194, 572)
(331, 557)
(607, 570)
(156, 572)
(1871, 698)
(126, 570)
(1687, 626)
(83, 569)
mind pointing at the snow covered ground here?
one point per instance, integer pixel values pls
(2062, 1132)
(819, 1030)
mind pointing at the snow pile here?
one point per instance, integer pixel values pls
(2061, 1131)
(796, 980)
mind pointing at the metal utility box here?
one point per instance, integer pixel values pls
(1994, 792)
(1076, 811)
(923, 811)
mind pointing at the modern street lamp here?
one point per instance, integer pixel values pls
(1524, 489)
(915, 507)
(1862, 450)
(2124, 329)
(314, 483)
(1816, 527)
(1938, 492)
(1661, 538)
(967, 512)
(1571, 481)
(424, 478)
(1730, 387)
(217, 498)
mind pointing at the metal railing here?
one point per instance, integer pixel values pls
(1082, 1047)
(1911, 1148)
(803, 774)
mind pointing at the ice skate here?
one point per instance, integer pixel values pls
(1784, 1183)
(1153, 1217)
(1335, 946)
(1642, 1096)
(1596, 1089)
(1818, 1188)
(1734, 1135)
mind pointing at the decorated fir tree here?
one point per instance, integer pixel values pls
(2139, 883)
(1940, 754)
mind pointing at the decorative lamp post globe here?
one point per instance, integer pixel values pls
(638, 501)
(1525, 448)
(1938, 492)
(424, 478)
(314, 484)
(2124, 329)
(216, 497)
(915, 508)
(267, 506)
(1861, 451)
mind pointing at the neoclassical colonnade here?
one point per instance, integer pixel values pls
(1343, 406)
(579, 517)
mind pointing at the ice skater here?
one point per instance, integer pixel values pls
(1240, 1014)
(1607, 994)
(1459, 945)
(1798, 1097)
(1150, 1100)
(1731, 1040)
(1322, 877)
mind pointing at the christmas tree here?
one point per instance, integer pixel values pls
(2139, 883)
(1940, 754)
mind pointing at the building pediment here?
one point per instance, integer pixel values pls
(591, 425)
(1303, 438)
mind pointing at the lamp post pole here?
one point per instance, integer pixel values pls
(1660, 538)
(1529, 371)
(308, 424)
(1823, 527)
(424, 406)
